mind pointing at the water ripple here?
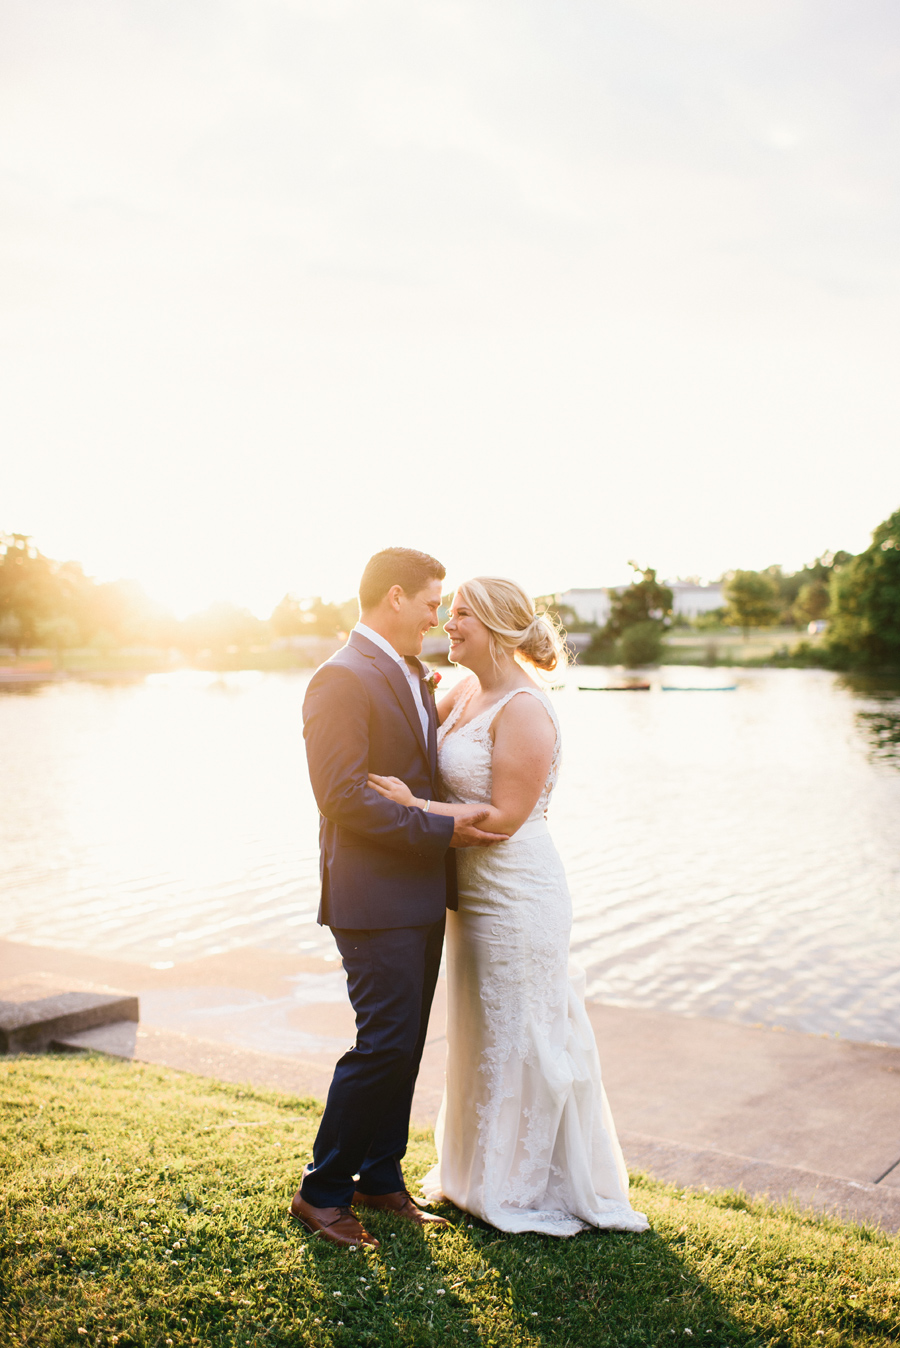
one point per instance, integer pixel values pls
(733, 856)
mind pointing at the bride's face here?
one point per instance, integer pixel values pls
(470, 640)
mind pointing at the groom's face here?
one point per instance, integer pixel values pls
(418, 613)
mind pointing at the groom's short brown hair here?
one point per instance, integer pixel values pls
(397, 566)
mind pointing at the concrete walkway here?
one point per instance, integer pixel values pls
(703, 1103)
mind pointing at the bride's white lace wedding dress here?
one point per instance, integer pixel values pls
(525, 1137)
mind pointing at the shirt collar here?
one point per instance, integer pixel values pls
(382, 643)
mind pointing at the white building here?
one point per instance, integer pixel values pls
(589, 606)
(689, 600)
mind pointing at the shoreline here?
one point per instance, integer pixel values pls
(263, 969)
(717, 653)
(884, 682)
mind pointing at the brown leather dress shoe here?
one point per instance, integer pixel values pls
(339, 1225)
(399, 1205)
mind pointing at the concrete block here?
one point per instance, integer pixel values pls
(707, 1168)
(31, 1026)
(118, 1040)
(799, 1100)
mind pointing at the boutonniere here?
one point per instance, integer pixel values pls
(431, 681)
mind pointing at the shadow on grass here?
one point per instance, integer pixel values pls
(604, 1289)
(398, 1295)
(144, 1208)
(476, 1285)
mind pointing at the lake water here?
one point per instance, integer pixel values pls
(732, 854)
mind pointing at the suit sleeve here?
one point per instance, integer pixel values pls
(336, 730)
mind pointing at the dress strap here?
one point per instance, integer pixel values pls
(535, 692)
(484, 720)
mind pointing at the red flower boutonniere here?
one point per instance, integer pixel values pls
(432, 679)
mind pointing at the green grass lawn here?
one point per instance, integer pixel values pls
(144, 1206)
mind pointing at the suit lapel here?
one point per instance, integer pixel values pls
(399, 683)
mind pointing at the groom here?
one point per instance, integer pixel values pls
(387, 877)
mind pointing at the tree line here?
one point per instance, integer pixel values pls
(48, 604)
(858, 597)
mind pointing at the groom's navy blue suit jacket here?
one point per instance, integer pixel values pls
(382, 864)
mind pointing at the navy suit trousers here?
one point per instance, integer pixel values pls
(391, 977)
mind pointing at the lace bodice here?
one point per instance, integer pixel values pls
(465, 754)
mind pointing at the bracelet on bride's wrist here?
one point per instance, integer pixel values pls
(427, 806)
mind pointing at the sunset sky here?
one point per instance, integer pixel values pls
(539, 287)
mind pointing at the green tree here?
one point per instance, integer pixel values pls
(710, 621)
(752, 600)
(864, 626)
(812, 602)
(312, 617)
(28, 590)
(786, 586)
(289, 618)
(644, 600)
(645, 603)
(119, 613)
(812, 578)
(55, 604)
(641, 644)
(60, 633)
(10, 631)
(221, 629)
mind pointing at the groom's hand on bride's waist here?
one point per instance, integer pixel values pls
(466, 834)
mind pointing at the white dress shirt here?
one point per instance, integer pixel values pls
(413, 679)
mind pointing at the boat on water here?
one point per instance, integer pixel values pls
(685, 688)
(636, 687)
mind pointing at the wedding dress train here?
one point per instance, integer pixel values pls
(525, 1137)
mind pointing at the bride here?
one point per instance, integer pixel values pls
(525, 1138)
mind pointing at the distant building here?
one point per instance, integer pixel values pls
(589, 606)
(689, 600)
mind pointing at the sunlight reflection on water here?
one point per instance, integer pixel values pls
(729, 854)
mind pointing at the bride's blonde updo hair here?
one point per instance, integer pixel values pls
(513, 622)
